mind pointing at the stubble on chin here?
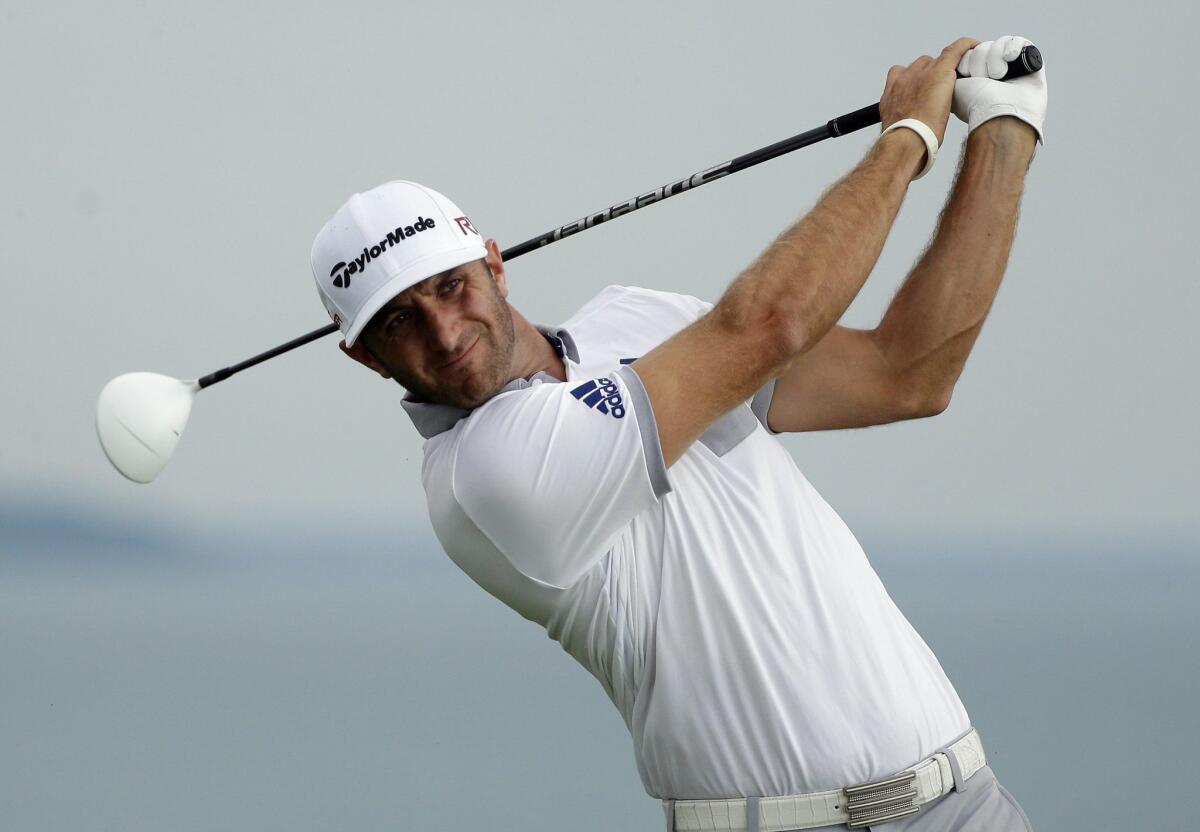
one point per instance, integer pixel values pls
(489, 379)
(473, 389)
(497, 370)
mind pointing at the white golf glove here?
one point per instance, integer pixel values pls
(978, 98)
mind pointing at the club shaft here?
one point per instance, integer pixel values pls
(635, 203)
(222, 374)
(1030, 60)
(703, 177)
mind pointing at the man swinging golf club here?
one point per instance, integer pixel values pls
(616, 479)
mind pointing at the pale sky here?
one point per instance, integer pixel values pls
(167, 165)
(267, 637)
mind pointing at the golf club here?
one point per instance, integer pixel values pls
(141, 416)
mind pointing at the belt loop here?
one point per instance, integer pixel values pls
(960, 785)
(671, 815)
(752, 815)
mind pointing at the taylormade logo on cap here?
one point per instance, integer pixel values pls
(342, 271)
(381, 242)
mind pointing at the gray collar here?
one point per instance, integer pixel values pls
(431, 418)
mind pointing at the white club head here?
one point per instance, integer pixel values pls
(139, 419)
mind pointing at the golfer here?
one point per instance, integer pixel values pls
(617, 479)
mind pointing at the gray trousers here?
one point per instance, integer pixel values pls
(982, 806)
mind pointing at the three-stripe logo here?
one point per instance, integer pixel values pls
(603, 395)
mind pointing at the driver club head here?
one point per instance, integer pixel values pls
(139, 419)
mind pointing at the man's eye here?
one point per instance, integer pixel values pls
(450, 285)
(395, 321)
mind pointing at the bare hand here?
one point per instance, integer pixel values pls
(924, 89)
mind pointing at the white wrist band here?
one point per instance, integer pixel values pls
(922, 130)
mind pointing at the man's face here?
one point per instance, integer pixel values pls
(449, 338)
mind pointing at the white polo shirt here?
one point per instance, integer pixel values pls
(727, 610)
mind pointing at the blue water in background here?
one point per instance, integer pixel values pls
(160, 678)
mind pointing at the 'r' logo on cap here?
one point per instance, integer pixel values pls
(464, 225)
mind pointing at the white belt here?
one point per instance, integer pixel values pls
(857, 806)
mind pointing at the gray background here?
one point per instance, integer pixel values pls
(268, 637)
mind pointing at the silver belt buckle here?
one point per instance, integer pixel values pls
(881, 801)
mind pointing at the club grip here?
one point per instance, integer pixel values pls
(857, 120)
(1027, 63)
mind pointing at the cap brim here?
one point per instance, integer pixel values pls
(411, 275)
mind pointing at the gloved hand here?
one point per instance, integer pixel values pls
(978, 98)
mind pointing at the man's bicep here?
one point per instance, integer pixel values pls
(845, 381)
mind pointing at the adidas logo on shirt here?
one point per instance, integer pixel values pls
(603, 395)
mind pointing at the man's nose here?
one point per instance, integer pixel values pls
(444, 329)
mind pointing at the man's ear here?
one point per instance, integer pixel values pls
(362, 355)
(496, 263)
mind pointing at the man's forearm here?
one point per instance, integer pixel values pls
(812, 271)
(932, 323)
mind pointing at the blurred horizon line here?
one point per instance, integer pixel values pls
(42, 523)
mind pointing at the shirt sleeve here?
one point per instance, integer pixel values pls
(685, 310)
(552, 474)
(761, 404)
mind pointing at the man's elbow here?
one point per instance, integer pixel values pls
(777, 337)
(923, 403)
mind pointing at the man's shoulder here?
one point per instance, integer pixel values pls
(618, 300)
(547, 473)
(645, 316)
(498, 432)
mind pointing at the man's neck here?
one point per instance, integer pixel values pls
(533, 353)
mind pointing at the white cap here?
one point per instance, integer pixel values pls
(383, 241)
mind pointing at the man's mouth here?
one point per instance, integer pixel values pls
(456, 361)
